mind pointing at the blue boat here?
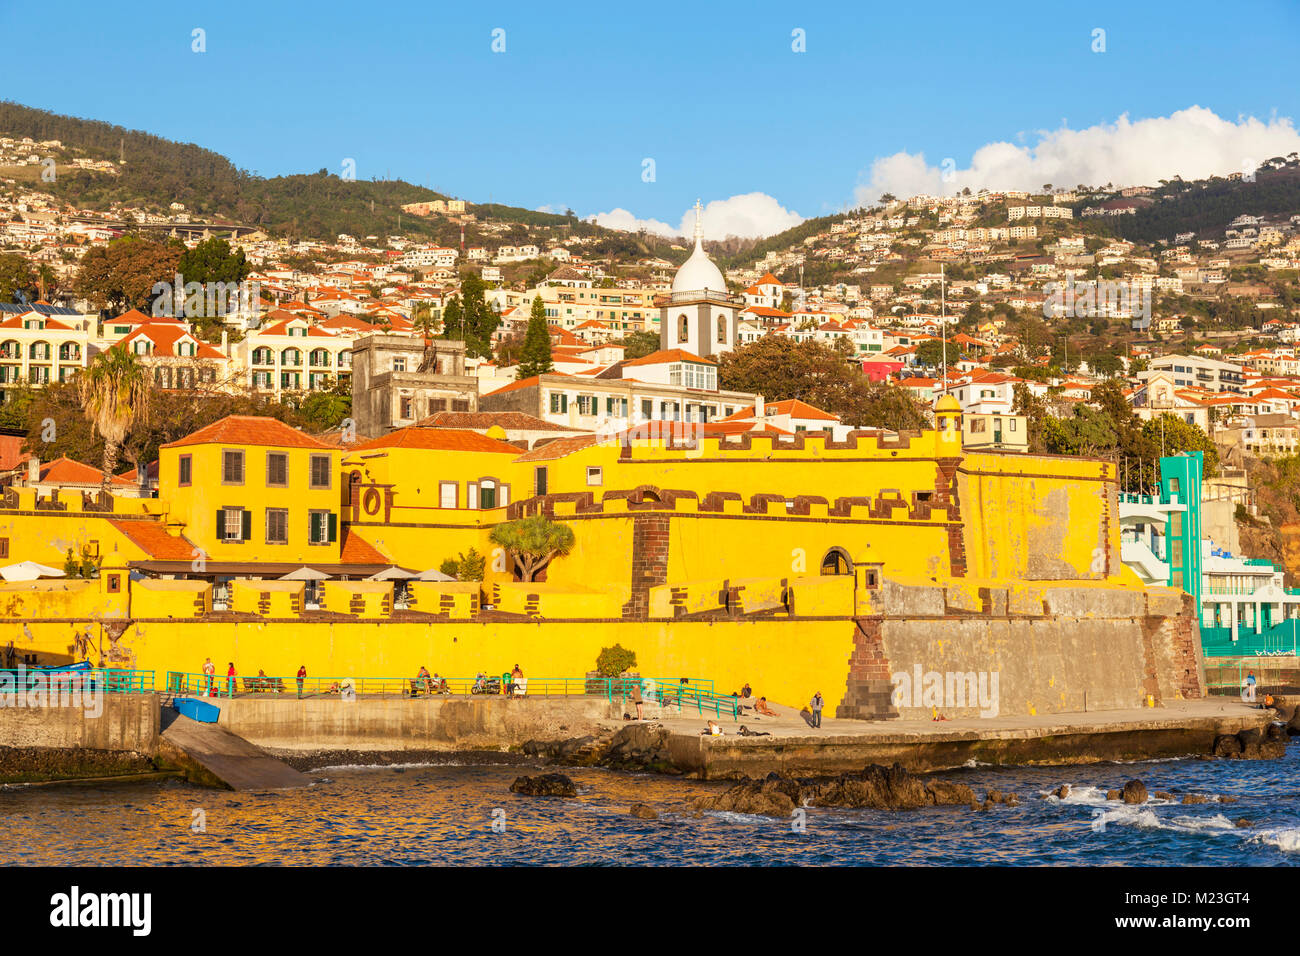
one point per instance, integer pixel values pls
(196, 709)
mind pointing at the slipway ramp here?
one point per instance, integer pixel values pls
(209, 754)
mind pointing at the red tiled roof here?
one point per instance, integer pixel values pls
(152, 538)
(355, 550)
(559, 448)
(249, 430)
(790, 406)
(669, 355)
(65, 471)
(438, 439)
(11, 452)
(475, 420)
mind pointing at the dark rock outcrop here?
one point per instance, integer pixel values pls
(1135, 791)
(1163, 795)
(875, 787)
(642, 812)
(545, 785)
(1062, 791)
(1195, 798)
(1252, 744)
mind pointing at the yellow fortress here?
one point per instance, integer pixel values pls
(796, 564)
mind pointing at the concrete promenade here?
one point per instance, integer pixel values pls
(1180, 728)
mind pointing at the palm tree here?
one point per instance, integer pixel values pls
(533, 542)
(115, 393)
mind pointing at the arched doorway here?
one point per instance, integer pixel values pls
(837, 561)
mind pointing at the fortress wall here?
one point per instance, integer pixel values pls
(1111, 645)
(128, 722)
(433, 723)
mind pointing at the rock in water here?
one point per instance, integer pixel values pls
(642, 812)
(1163, 795)
(545, 785)
(1195, 798)
(875, 787)
(1243, 823)
(1135, 791)
(1062, 791)
(1114, 794)
(1226, 745)
(773, 796)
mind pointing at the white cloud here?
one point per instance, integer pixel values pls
(748, 215)
(1193, 143)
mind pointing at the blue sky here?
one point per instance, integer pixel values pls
(712, 92)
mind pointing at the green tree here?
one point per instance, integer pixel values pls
(616, 660)
(16, 276)
(326, 410)
(467, 566)
(640, 344)
(122, 274)
(930, 353)
(115, 394)
(536, 358)
(533, 542)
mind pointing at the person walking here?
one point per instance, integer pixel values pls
(302, 676)
(816, 705)
(209, 669)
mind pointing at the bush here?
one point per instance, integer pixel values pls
(613, 661)
(468, 566)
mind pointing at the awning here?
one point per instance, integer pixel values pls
(29, 571)
(305, 574)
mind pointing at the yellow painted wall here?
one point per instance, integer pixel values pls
(196, 504)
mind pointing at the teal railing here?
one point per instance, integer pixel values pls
(685, 698)
(112, 680)
(696, 692)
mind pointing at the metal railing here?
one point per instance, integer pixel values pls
(692, 695)
(1273, 675)
(188, 684)
(111, 680)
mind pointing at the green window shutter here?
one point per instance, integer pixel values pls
(248, 525)
(221, 524)
(334, 527)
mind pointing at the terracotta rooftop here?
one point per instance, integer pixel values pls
(438, 439)
(477, 420)
(249, 430)
(152, 538)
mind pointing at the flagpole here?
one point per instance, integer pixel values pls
(943, 323)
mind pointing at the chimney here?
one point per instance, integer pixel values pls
(225, 341)
(760, 407)
(33, 470)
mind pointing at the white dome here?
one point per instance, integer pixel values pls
(699, 272)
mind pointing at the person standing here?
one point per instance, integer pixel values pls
(209, 669)
(230, 680)
(302, 676)
(1250, 686)
(816, 705)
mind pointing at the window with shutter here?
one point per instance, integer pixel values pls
(185, 469)
(320, 471)
(232, 467)
(277, 468)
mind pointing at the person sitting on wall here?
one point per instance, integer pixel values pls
(762, 708)
(713, 730)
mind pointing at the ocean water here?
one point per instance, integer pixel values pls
(445, 814)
